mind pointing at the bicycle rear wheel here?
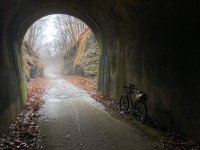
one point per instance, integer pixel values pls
(124, 103)
(140, 111)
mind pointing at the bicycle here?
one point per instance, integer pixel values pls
(138, 108)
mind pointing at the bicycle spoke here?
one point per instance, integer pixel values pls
(124, 103)
(141, 113)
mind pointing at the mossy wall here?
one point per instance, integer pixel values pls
(32, 62)
(82, 58)
(12, 86)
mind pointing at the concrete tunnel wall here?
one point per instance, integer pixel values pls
(153, 44)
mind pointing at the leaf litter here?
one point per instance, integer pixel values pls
(24, 133)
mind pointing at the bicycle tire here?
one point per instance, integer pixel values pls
(124, 103)
(140, 111)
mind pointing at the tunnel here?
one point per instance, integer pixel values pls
(153, 44)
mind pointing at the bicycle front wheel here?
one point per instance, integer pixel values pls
(124, 103)
(140, 111)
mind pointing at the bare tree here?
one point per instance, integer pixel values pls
(67, 33)
(69, 30)
(34, 34)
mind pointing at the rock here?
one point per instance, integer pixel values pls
(32, 62)
(83, 57)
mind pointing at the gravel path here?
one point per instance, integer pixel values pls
(72, 120)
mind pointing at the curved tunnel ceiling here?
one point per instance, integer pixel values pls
(26, 17)
(103, 17)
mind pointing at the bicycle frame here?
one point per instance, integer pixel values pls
(138, 97)
(136, 103)
(129, 94)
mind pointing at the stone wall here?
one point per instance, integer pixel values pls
(32, 62)
(82, 58)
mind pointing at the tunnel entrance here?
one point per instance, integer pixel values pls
(62, 45)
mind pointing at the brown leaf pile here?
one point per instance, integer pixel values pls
(23, 134)
(175, 141)
(90, 87)
(172, 140)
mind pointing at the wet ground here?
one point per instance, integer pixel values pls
(72, 120)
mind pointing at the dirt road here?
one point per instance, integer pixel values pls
(72, 120)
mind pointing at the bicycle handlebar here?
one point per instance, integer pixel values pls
(130, 87)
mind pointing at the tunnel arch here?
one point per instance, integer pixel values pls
(29, 20)
(21, 15)
(24, 18)
(82, 32)
(93, 13)
(92, 26)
